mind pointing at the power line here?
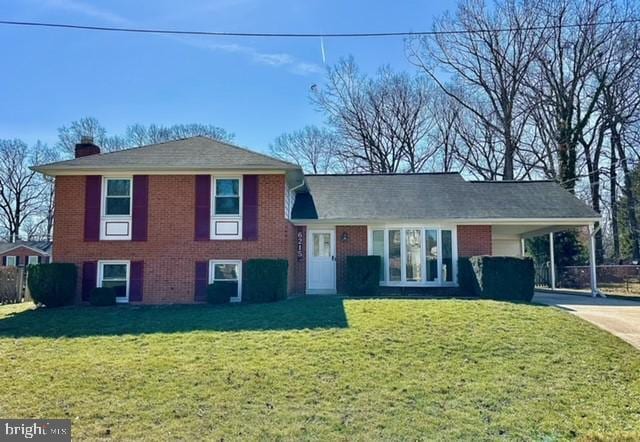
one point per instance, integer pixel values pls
(302, 35)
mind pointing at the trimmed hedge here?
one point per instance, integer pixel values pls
(221, 292)
(102, 296)
(497, 277)
(265, 280)
(363, 275)
(54, 284)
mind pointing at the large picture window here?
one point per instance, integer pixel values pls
(415, 255)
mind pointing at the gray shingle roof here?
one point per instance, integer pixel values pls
(42, 246)
(195, 153)
(433, 196)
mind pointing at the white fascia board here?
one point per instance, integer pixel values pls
(457, 221)
(158, 171)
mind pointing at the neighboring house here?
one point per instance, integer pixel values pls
(22, 253)
(160, 222)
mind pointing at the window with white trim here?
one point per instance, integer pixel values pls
(415, 255)
(11, 261)
(116, 205)
(228, 272)
(226, 207)
(117, 197)
(227, 197)
(115, 274)
(32, 260)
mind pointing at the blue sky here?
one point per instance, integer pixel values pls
(255, 88)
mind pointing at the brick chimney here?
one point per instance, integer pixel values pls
(86, 147)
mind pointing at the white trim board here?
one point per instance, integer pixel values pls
(457, 221)
(162, 171)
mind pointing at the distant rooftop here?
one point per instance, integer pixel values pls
(42, 246)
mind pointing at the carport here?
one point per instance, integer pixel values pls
(506, 238)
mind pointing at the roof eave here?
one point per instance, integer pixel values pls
(101, 170)
(565, 221)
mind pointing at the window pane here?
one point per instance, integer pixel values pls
(118, 187)
(114, 271)
(432, 254)
(225, 272)
(321, 244)
(11, 261)
(227, 187)
(118, 206)
(413, 250)
(378, 249)
(119, 286)
(227, 205)
(395, 273)
(447, 256)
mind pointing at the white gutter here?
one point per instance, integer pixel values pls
(462, 221)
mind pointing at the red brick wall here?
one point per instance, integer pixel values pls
(170, 253)
(474, 240)
(356, 244)
(23, 253)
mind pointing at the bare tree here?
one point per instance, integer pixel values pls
(135, 135)
(581, 40)
(21, 190)
(69, 135)
(488, 66)
(140, 135)
(445, 138)
(382, 122)
(313, 148)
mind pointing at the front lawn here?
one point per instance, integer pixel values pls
(320, 368)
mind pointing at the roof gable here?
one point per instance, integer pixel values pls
(189, 154)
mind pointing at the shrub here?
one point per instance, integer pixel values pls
(102, 296)
(467, 278)
(363, 275)
(265, 280)
(501, 277)
(53, 285)
(221, 291)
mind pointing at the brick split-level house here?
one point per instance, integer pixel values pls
(160, 222)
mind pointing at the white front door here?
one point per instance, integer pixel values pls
(321, 262)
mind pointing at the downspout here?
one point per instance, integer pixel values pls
(292, 191)
(593, 230)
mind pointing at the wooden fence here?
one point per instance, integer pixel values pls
(12, 285)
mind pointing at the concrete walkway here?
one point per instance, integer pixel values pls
(617, 316)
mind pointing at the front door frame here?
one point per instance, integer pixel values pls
(310, 232)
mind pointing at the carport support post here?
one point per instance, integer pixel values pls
(592, 259)
(552, 258)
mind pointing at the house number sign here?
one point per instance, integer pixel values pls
(300, 244)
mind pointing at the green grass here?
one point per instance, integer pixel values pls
(320, 368)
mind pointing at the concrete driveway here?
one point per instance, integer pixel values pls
(617, 316)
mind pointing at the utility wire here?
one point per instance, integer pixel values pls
(302, 35)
